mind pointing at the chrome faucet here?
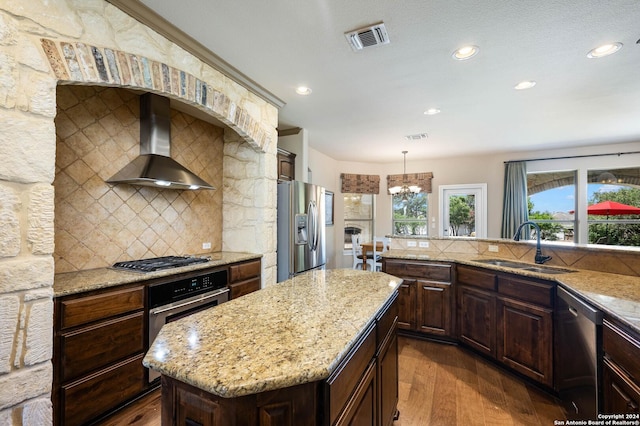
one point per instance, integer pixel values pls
(540, 259)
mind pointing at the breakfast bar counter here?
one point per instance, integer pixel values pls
(300, 332)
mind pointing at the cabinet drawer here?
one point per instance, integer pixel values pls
(243, 271)
(85, 399)
(91, 348)
(342, 382)
(429, 271)
(245, 287)
(531, 291)
(386, 323)
(622, 348)
(475, 277)
(108, 304)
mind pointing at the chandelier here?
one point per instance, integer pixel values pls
(405, 189)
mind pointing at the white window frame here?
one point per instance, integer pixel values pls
(479, 190)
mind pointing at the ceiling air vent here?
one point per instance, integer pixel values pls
(368, 37)
(416, 137)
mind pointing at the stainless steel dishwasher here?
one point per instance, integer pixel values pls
(578, 351)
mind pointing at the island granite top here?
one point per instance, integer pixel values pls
(93, 279)
(289, 333)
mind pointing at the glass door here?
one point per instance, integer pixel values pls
(463, 210)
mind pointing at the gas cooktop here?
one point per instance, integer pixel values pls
(159, 263)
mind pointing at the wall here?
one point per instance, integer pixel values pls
(90, 42)
(98, 224)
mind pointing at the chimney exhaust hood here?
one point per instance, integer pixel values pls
(154, 166)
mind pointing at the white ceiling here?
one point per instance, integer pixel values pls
(364, 103)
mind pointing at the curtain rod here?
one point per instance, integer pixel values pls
(573, 156)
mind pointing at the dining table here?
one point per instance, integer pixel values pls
(367, 250)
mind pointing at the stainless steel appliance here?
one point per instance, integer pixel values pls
(577, 354)
(301, 228)
(172, 299)
(158, 263)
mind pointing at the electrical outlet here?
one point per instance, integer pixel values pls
(424, 244)
(493, 248)
(411, 243)
(206, 246)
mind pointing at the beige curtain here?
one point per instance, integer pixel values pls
(423, 180)
(360, 184)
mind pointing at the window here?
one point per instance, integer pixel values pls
(613, 206)
(552, 204)
(410, 214)
(358, 217)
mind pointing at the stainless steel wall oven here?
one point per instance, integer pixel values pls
(171, 300)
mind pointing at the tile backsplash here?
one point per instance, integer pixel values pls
(96, 223)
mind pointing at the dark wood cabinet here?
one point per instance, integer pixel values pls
(477, 319)
(286, 165)
(407, 302)
(244, 278)
(525, 333)
(99, 343)
(621, 370)
(509, 318)
(434, 307)
(425, 296)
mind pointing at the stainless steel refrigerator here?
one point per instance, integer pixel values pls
(301, 228)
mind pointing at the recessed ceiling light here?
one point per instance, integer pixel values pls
(432, 111)
(604, 50)
(523, 85)
(465, 53)
(303, 90)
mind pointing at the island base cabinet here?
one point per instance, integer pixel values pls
(183, 404)
(388, 382)
(362, 406)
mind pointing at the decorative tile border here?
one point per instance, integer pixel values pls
(76, 62)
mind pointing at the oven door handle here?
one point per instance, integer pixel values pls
(157, 311)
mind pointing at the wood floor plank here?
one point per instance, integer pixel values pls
(469, 408)
(494, 402)
(518, 401)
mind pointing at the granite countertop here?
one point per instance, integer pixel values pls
(92, 279)
(290, 333)
(615, 294)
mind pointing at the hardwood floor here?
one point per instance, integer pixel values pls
(439, 385)
(445, 385)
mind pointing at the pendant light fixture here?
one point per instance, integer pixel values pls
(405, 189)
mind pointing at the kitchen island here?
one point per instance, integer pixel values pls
(319, 348)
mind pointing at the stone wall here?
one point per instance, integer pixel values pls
(47, 43)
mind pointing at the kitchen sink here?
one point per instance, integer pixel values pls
(524, 266)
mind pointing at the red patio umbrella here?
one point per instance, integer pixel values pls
(611, 208)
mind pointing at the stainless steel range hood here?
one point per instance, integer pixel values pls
(155, 167)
